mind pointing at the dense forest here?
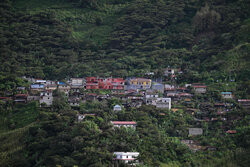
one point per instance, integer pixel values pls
(60, 39)
(208, 40)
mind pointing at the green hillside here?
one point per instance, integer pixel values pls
(59, 39)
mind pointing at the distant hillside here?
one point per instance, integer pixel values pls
(58, 39)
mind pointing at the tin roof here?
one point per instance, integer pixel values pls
(123, 122)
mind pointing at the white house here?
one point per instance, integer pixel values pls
(46, 97)
(77, 81)
(150, 97)
(126, 124)
(169, 71)
(48, 82)
(127, 157)
(40, 81)
(117, 108)
(227, 95)
(163, 103)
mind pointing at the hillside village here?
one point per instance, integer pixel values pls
(118, 83)
(133, 93)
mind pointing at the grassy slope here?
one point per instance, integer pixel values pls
(19, 118)
(82, 20)
(14, 128)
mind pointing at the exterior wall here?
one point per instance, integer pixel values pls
(47, 98)
(163, 103)
(125, 126)
(195, 131)
(200, 90)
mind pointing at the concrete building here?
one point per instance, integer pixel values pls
(77, 81)
(163, 103)
(127, 157)
(46, 97)
(150, 97)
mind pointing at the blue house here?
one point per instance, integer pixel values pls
(37, 86)
(158, 87)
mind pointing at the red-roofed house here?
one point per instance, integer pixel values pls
(126, 124)
(231, 131)
(105, 83)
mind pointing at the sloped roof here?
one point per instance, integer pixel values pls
(123, 122)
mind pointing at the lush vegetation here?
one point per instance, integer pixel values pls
(57, 39)
(50, 137)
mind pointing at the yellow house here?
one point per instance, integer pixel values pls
(139, 83)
